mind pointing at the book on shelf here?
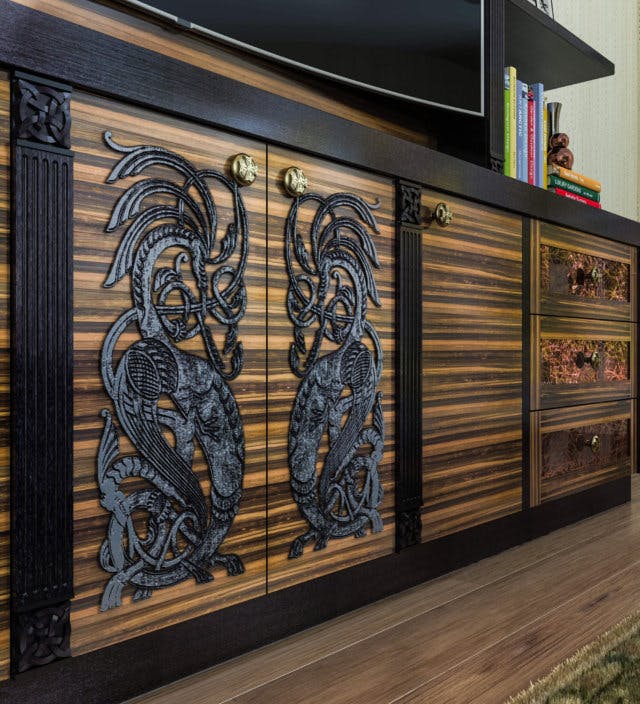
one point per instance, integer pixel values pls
(540, 149)
(575, 177)
(510, 121)
(532, 157)
(575, 196)
(545, 142)
(559, 182)
(522, 129)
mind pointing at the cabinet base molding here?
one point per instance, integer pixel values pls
(233, 631)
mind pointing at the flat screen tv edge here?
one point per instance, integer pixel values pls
(185, 23)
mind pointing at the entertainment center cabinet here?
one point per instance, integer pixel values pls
(269, 354)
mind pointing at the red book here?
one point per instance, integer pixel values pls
(531, 138)
(575, 196)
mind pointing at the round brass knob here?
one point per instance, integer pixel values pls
(244, 169)
(295, 182)
(594, 444)
(593, 359)
(442, 214)
(595, 275)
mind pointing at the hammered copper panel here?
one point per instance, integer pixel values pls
(565, 452)
(559, 361)
(569, 273)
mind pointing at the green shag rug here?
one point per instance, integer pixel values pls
(606, 671)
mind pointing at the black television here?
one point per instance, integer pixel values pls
(429, 52)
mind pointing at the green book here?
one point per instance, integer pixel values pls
(507, 123)
(557, 182)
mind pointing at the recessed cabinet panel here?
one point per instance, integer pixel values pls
(575, 274)
(331, 341)
(4, 375)
(573, 449)
(578, 361)
(472, 367)
(169, 372)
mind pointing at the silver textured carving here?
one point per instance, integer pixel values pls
(170, 402)
(337, 402)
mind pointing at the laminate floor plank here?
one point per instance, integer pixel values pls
(432, 642)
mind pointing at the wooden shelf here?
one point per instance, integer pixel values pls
(544, 51)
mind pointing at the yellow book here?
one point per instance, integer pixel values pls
(512, 121)
(575, 177)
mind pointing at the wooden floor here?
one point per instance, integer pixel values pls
(476, 635)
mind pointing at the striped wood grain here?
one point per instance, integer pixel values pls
(5, 442)
(215, 57)
(574, 419)
(581, 332)
(543, 233)
(95, 310)
(472, 368)
(284, 520)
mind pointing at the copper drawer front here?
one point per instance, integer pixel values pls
(578, 361)
(574, 274)
(573, 449)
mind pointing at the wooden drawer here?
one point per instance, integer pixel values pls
(577, 361)
(575, 448)
(579, 275)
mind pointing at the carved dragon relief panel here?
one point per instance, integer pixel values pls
(337, 354)
(171, 404)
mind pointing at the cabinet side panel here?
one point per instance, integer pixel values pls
(472, 368)
(286, 392)
(5, 201)
(200, 415)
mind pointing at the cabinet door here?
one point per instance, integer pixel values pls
(472, 367)
(4, 376)
(331, 342)
(169, 373)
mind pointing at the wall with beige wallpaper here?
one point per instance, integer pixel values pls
(601, 117)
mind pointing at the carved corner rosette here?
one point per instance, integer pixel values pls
(409, 197)
(408, 528)
(42, 636)
(41, 111)
(337, 354)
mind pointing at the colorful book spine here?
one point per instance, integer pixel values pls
(531, 138)
(541, 153)
(507, 123)
(575, 177)
(557, 182)
(521, 145)
(575, 196)
(545, 143)
(512, 121)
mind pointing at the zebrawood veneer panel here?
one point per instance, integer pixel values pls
(285, 522)
(5, 443)
(95, 310)
(472, 368)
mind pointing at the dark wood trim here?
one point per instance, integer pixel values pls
(409, 361)
(494, 28)
(526, 360)
(42, 373)
(94, 61)
(114, 674)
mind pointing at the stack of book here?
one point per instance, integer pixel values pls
(571, 184)
(525, 125)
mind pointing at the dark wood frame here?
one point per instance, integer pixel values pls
(102, 64)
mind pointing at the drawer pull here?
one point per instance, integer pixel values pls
(442, 214)
(594, 444)
(244, 169)
(582, 278)
(593, 359)
(295, 182)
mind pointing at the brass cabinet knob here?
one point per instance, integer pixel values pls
(593, 359)
(244, 169)
(595, 275)
(295, 182)
(442, 214)
(593, 444)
